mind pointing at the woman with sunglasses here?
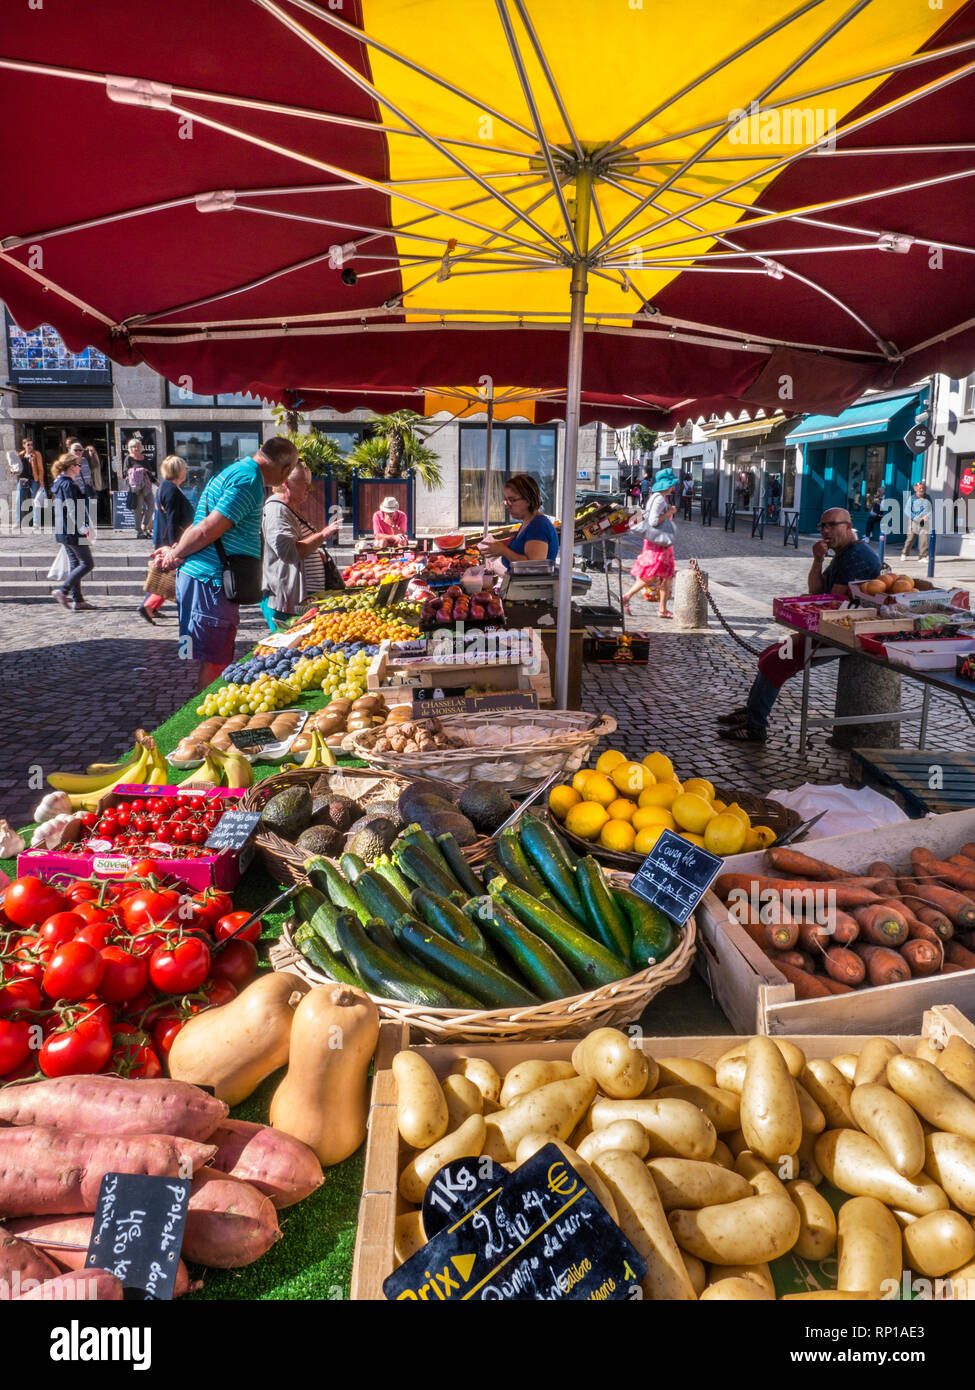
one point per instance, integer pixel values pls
(536, 537)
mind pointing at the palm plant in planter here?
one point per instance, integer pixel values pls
(396, 442)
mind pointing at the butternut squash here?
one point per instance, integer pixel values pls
(235, 1047)
(323, 1099)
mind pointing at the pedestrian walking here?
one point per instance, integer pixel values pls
(293, 563)
(874, 516)
(919, 523)
(653, 569)
(173, 515)
(30, 478)
(139, 498)
(71, 529)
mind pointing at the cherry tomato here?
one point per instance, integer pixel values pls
(236, 962)
(89, 819)
(181, 968)
(181, 834)
(143, 868)
(29, 900)
(164, 1032)
(82, 1048)
(28, 958)
(132, 1054)
(199, 834)
(14, 1044)
(218, 992)
(123, 814)
(229, 924)
(60, 927)
(74, 972)
(97, 933)
(19, 994)
(146, 908)
(125, 975)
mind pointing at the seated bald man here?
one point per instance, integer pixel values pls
(853, 560)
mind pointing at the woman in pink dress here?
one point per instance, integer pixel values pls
(389, 523)
(654, 566)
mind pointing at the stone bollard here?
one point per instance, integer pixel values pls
(865, 687)
(690, 605)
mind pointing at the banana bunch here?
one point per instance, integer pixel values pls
(145, 766)
(319, 754)
(233, 767)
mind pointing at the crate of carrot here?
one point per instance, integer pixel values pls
(867, 928)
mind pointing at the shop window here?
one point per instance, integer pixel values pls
(968, 391)
(181, 393)
(789, 480)
(965, 478)
(514, 449)
(207, 452)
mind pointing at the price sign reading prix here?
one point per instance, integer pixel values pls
(233, 830)
(137, 1232)
(675, 876)
(539, 1236)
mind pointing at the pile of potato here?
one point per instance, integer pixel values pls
(712, 1172)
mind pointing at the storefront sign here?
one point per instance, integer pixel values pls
(966, 483)
(675, 876)
(540, 1235)
(137, 1232)
(38, 357)
(918, 438)
(233, 830)
(474, 704)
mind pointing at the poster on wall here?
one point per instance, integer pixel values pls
(39, 358)
(148, 437)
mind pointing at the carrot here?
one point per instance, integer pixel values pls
(968, 850)
(924, 957)
(805, 985)
(781, 936)
(845, 966)
(881, 926)
(835, 986)
(959, 909)
(930, 915)
(799, 959)
(920, 855)
(757, 934)
(951, 873)
(795, 893)
(949, 969)
(884, 966)
(797, 865)
(958, 955)
(845, 927)
(814, 937)
(915, 927)
(886, 878)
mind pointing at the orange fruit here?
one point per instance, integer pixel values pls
(617, 835)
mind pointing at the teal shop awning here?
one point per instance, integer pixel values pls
(867, 420)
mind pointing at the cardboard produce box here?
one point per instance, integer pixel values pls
(381, 1203)
(758, 999)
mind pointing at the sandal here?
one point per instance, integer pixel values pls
(665, 615)
(627, 609)
(744, 733)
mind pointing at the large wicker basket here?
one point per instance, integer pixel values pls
(283, 860)
(518, 764)
(608, 1006)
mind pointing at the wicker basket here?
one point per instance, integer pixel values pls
(606, 1007)
(283, 860)
(518, 766)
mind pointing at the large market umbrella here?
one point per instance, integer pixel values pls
(768, 205)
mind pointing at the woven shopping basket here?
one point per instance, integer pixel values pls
(160, 582)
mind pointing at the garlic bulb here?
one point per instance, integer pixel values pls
(59, 830)
(54, 804)
(10, 842)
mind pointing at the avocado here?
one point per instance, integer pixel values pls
(419, 794)
(321, 839)
(440, 822)
(339, 812)
(486, 805)
(288, 813)
(371, 837)
(389, 810)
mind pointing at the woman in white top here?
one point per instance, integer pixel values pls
(654, 566)
(293, 567)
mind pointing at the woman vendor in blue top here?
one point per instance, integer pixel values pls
(536, 538)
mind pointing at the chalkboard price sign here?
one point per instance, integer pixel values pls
(245, 739)
(459, 1185)
(137, 1232)
(233, 830)
(675, 876)
(540, 1235)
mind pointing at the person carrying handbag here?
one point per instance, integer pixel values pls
(174, 513)
(654, 568)
(70, 495)
(220, 556)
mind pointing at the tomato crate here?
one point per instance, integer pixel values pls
(220, 869)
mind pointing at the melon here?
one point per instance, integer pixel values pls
(448, 542)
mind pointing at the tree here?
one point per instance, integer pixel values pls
(399, 430)
(316, 449)
(371, 457)
(644, 441)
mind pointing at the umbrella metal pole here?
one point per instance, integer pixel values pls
(583, 189)
(487, 463)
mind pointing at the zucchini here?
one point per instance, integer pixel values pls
(654, 935)
(325, 876)
(318, 955)
(604, 913)
(386, 869)
(352, 866)
(419, 867)
(491, 986)
(315, 909)
(458, 865)
(448, 919)
(380, 897)
(588, 960)
(547, 853)
(540, 966)
(415, 835)
(380, 972)
(516, 865)
(383, 937)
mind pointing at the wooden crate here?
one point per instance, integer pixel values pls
(863, 621)
(488, 675)
(757, 999)
(373, 1260)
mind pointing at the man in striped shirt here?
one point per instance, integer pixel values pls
(229, 510)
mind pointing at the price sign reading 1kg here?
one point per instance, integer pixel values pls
(675, 876)
(538, 1235)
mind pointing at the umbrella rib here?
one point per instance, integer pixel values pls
(824, 154)
(809, 52)
(710, 72)
(527, 93)
(908, 99)
(373, 91)
(543, 63)
(53, 285)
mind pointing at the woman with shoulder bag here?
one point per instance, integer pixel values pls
(69, 495)
(294, 565)
(174, 513)
(654, 566)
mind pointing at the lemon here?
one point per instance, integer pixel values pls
(586, 819)
(660, 765)
(660, 794)
(581, 778)
(618, 835)
(753, 841)
(561, 800)
(621, 809)
(725, 834)
(719, 806)
(700, 786)
(766, 835)
(646, 839)
(691, 812)
(735, 810)
(693, 839)
(653, 815)
(599, 788)
(608, 760)
(632, 778)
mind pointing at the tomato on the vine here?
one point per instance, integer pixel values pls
(14, 1044)
(236, 962)
(229, 923)
(74, 972)
(218, 992)
(29, 958)
(81, 1048)
(97, 933)
(146, 908)
(60, 927)
(21, 993)
(28, 900)
(125, 975)
(180, 968)
(164, 1032)
(132, 1053)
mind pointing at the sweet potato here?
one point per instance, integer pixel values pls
(884, 966)
(89, 1284)
(55, 1172)
(64, 1241)
(881, 926)
(924, 957)
(845, 966)
(20, 1262)
(113, 1105)
(282, 1168)
(229, 1223)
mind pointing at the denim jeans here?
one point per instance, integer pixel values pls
(81, 564)
(761, 698)
(26, 491)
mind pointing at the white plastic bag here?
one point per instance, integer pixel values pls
(61, 567)
(848, 809)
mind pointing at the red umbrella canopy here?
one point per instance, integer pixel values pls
(766, 206)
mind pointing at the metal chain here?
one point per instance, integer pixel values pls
(696, 570)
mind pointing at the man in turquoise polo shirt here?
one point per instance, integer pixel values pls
(229, 510)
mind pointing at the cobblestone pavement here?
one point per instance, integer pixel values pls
(76, 686)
